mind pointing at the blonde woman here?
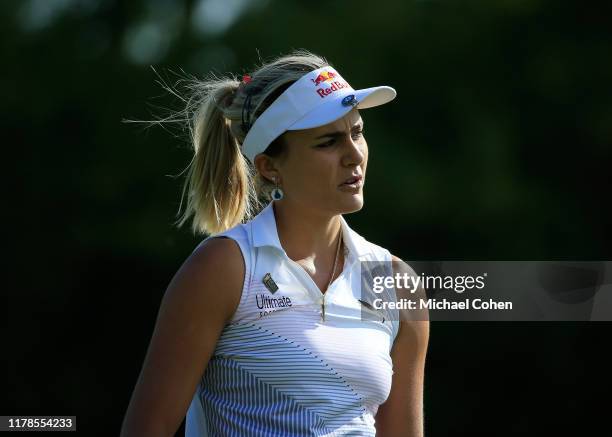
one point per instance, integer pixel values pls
(261, 332)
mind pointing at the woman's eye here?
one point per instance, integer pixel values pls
(327, 143)
(358, 134)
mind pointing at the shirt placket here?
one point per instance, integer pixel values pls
(318, 297)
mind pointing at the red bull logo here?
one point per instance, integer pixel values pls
(324, 76)
(335, 86)
(332, 81)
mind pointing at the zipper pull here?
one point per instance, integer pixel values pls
(323, 309)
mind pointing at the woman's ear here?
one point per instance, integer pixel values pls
(266, 168)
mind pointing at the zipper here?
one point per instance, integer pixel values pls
(323, 308)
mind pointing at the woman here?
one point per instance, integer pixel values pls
(261, 332)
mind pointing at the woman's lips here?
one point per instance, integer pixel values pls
(354, 182)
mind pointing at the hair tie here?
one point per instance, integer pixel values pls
(246, 105)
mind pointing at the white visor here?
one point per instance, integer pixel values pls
(319, 97)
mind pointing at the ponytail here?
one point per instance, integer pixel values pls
(219, 184)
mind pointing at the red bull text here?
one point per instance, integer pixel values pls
(335, 86)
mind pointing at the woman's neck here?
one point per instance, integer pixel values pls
(304, 234)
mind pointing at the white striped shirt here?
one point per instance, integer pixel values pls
(281, 367)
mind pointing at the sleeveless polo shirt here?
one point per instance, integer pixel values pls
(280, 366)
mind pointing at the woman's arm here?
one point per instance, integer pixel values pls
(402, 413)
(201, 298)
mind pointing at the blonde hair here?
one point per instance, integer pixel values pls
(222, 187)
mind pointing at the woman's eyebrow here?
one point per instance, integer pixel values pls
(339, 134)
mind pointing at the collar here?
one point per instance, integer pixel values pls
(265, 233)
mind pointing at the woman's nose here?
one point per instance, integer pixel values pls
(354, 152)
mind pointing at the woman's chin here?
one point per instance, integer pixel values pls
(352, 204)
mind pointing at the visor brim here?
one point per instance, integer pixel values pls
(334, 109)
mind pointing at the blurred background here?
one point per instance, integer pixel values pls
(498, 147)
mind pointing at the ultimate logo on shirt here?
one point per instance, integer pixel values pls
(269, 304)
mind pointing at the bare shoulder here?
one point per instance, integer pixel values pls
(396, 259)
(416, 321)
(400, 266)
(217, 254)
(215, 272)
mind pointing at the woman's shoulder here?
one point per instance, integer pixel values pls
(222, 252)
(217, 248)
(229, 245)
(214, 271)
(218, 255)
(238, 233)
